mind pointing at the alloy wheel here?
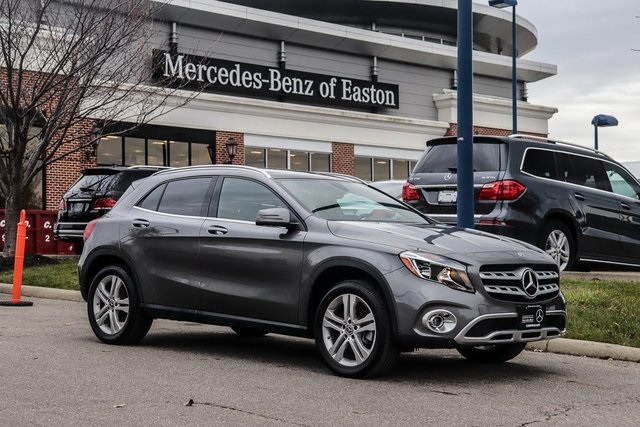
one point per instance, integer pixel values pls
(349, 330)
(558, 247)
(111, 305)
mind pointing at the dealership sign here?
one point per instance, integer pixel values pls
(218, 75)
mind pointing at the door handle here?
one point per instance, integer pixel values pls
(140, 223)
(217, 230)
(625, 206)
(579, 196)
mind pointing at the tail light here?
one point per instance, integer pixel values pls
(89, 229)
(62, 206)
(409, 192)
(104, 204)
(501, 190)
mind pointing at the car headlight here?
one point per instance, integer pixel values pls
(438, 269)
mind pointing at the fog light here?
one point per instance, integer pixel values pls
(440, 321)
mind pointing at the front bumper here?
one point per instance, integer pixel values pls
(480, 318)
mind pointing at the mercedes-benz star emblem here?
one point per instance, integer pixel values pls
(539, 315)
(530, 283)
(447, 177)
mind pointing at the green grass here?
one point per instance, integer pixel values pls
(61, 275)
(597, 310)
(603, 311)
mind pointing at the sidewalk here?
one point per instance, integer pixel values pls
(558, 345)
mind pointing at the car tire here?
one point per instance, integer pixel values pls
(496, 353)
(246, 332)
(558, 241)
(356, 342)
(114, 309)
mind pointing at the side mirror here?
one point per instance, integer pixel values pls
(275, 217)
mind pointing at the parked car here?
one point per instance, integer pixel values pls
(275, 251)
(577, 204)
(93, 195)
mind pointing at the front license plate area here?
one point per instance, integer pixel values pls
(531, 316)
(447, 196)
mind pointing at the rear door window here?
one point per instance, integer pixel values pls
(185, 197)
(584, 171)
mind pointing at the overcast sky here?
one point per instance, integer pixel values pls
(591, 43)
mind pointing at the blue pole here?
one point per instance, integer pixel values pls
(595, 136)
(514, 78)
(465, 114)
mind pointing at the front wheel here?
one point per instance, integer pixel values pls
(353, 331)
(113, 308)
(557, 241)
(496, 353)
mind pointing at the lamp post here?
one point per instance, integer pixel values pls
(232, 148)
(601, 121)
(501, 4)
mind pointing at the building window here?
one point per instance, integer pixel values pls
(380, 169)
(130, 151)
(279, 158)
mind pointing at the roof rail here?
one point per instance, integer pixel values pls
(148, 167)
(216, 166)
(559, 142)
(341, 175)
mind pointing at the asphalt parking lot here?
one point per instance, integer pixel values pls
(54, 371)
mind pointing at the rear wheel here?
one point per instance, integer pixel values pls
(113, 308)
(558, 241)
(353, 331)
(492, 353)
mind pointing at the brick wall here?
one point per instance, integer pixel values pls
(222, 137)
(479, 130)
(343, 158)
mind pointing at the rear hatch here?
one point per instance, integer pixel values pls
(80, 200)
(435, 176)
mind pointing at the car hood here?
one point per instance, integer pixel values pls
(442, 240)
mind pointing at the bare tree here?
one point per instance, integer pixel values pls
(64, 64)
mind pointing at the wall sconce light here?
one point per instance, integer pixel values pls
(95, 142)
(232, 149)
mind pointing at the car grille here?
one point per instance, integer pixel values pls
(505, 283)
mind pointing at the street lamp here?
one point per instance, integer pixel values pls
(601, 121)
(501, 4)
(232, 148)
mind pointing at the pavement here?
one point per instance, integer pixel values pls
(557, 345)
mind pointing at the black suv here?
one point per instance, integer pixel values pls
(312, 255)
(577, 204)
(91, 196)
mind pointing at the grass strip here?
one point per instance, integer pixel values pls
(61, 275)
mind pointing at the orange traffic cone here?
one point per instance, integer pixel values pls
(17, 265)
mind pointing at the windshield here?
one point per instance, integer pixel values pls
(338, 200)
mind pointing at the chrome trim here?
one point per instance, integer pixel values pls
(610, 262)
(513, 275)
(516, 335)
(213, 167)
(59, 224)
(436, 186)
(515, 290)
(559, 142)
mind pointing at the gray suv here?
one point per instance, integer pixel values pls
(312, 255)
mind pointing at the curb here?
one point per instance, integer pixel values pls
(40, 292)
(558, 345)
(603, 276)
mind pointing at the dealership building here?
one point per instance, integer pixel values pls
(347, 86)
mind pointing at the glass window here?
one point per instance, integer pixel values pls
(540, 163)
(254, 157)
(412, 166)
(321, 162)
(363, 168)
(298, 160)
(443, 158)
(381, 169)
(341, 200)
(134, 151)
(151, 201)
(184, 197)
(400, 169)
(241, 199)
(621, 182)
(110, 151)
(200, 154)
(276, 158)
(157, 152)
(179, 154)
(582, 171)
